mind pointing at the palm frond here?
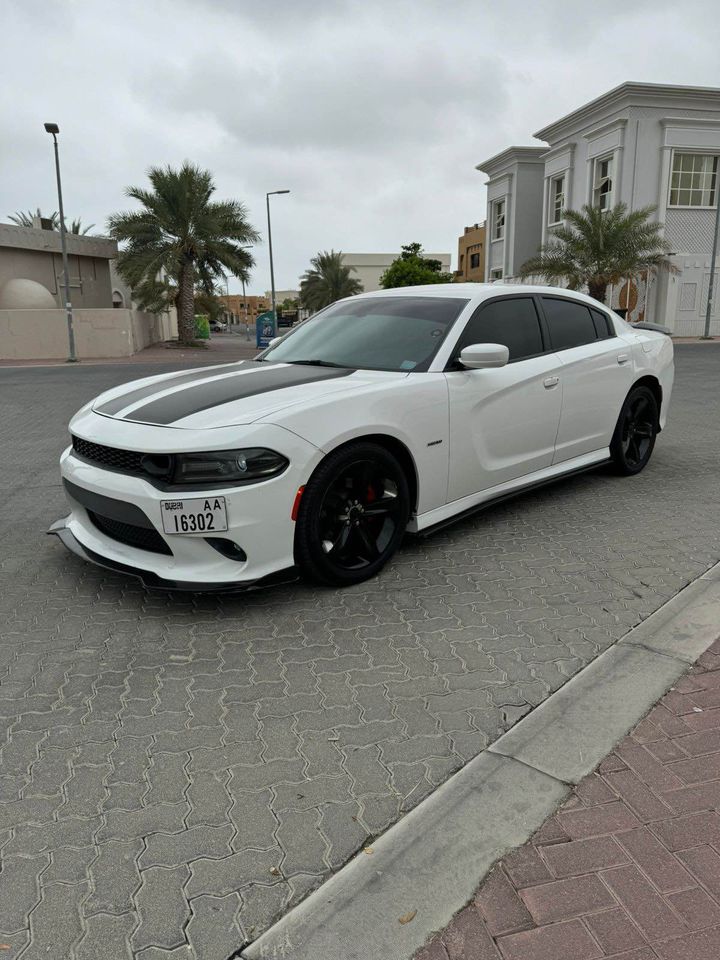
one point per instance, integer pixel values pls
(595, 248)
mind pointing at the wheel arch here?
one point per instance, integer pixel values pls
(653, 384)
(401, 453)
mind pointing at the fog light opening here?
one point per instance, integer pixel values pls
(228, 548)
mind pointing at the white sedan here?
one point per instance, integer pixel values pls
(384, 413)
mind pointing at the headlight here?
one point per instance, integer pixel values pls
(228, 466)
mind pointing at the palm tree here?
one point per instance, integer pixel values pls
(597, 248)
(77, 227)
(179, 231)
(327, 280)
(23, 219)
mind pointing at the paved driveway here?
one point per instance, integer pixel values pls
(177, 771)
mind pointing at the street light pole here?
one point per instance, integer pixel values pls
(245, 310)
(272, 271)
(713, 258)
(54, 129)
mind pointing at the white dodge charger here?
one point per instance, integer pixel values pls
(384, 413)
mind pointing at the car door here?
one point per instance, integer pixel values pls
(504, 420)
(596, 374)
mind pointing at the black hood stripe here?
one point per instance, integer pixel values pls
(134, 396)
(184, 403)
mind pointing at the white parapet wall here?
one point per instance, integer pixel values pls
(99, 333)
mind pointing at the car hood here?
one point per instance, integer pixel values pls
(237, 393)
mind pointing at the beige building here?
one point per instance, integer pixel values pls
(239, 307)
(471, 255)
(33, 323)
(369, 267)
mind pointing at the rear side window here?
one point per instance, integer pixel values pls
(603, 327)
(512, 321)
(570, 324)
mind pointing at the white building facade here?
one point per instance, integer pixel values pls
(639, 144)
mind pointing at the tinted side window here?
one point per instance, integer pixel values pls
(510, 321)
(570, 324)
(603, 327)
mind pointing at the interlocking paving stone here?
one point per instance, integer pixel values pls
(106, 936)
(162, 908)
(55, 923)
(184, 712)
(115, 877)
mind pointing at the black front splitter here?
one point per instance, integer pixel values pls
(153, 581)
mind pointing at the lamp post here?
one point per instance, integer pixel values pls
(713, 258)
(54, 129)
(245, 310)
(272, 272)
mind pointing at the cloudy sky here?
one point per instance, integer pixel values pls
(372, 112)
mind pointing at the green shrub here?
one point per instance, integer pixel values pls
(202, 326)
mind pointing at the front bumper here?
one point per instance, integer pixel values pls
(259, 523)
(61, 530)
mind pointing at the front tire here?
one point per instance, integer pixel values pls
(635, 433)
(353, 514)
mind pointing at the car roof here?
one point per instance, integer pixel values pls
(477, 292)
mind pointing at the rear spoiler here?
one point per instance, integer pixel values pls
(658, 328)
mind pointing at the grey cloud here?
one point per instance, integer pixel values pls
(373, 112)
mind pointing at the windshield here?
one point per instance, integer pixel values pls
(372, 333)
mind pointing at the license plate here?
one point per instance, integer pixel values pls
(201, 515)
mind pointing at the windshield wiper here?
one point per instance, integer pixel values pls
(315, 363)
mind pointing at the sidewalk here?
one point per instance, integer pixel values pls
(221, 348)
(629, 867)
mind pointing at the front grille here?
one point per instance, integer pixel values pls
(144, 538)
(124, 461)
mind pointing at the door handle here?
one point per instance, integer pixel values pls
(623, 357)
(550, 382)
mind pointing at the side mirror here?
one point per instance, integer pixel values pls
(478, 356)
(274, 341)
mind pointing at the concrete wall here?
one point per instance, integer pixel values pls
(31, 254)
(42, 334)
(89, 276)
(527, 221)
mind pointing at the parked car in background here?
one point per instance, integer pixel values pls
(387, 412)
(218, 326)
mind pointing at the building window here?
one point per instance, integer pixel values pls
(498, 224)
(603, 183)
(474, 261)
(694, 180)
(557, 200)
(496, 274)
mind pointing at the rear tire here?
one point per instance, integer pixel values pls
(635, 433)
(353, 514)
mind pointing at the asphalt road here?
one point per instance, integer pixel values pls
(176, 771)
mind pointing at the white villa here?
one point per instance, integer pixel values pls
(641, 144)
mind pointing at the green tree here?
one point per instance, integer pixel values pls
(327, 280)
(597, 248)
(412, 268)
(181, 233)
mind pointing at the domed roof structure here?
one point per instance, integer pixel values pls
(21, 294)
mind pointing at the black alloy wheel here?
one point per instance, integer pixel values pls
(637, 427)
(353, 514)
